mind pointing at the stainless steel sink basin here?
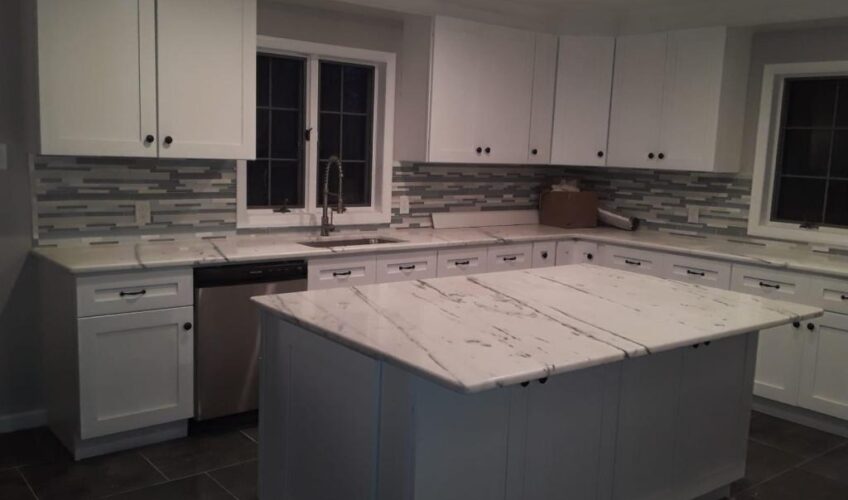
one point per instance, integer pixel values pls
(353, 242)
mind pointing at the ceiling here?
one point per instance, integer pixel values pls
(609, 16)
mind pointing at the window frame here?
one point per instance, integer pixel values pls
(382, 144)
(772, 100)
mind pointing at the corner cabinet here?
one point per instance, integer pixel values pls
(678, 100)
(151, 78)
(467, 95)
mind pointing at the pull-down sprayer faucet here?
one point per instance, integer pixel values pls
(327, 212)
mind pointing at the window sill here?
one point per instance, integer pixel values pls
(791, 232)
(255, 219)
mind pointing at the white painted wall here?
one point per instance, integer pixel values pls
(20, 387)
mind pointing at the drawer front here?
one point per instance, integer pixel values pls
(136, 291)
(462, 261)
(631, 259)
(341, 271)
(700, 271)
(576, 252)
(830, 294)
(777, 285)
(510, 257)
(406, 266)
(544, 254)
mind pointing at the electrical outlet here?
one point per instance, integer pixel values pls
(142, 213)
(694, 214)
(404, 205)
(4, 161)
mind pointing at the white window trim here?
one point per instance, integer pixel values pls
(771, 102)
(380, 212)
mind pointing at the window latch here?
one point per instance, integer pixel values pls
(307, 134)
(809, 225)
(284, 209)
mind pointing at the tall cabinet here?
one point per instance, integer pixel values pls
(166, 78)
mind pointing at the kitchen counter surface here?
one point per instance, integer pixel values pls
(475, 333)
(247, 248)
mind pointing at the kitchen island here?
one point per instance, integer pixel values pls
(572, 382)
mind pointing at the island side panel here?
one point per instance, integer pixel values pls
(319, 417)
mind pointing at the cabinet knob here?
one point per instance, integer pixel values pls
(534, 151)
(650, 156)
(661, 156)
(488, 150)
(187, 326)
(169, 140)
(149, 139)
(696, 346)
(796, 324)
(479, 150)
(525, 384)
(589, 256)
(811, 326)
(600, 154)
(543, 380)
(544, 255)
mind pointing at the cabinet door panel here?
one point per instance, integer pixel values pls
(136, 370)
(507, 86)
(584, 87)
(207, 78)
(456, 100)
(541, 114)
(824, 372)
(97, 77)
(778, 364)
(691, 97)
(637, 95)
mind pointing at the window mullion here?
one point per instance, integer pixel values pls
(830, 154)
(311, 161)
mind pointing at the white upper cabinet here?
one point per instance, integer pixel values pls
(97, 77)
(542, 107)
(99, 62)
(467, 92)
(207, 104)
(583, 93)
(678, 100)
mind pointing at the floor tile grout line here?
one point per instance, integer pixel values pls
(248, 436)
(794, 467)
(144, 457)
(221, 485)
(216, 469)
(26, 481)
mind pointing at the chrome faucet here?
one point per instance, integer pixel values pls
(327, 213)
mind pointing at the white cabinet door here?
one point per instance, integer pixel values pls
(583, 93)
(333, 272)
(637, 98)
(136, 370)
(207, 78)
(456, 100)
(510, 257)
(691, 96)
(541, 113)
(824, 372)
(97, 77)
(778, 363)
(405, 266)
(544, 253)
(462, 262)
(632, 259)
(705, 272)
(830, 294)
(506, 85)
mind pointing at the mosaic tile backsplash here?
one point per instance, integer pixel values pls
(92, 200)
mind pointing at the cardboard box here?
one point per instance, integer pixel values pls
(568, 210)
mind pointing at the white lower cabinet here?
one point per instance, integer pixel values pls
(704, 272)
(544, 253)
(576, 252)
(631, 259)
(136, 370)
(824, 370)
(510, 257)
(462, 261)
(334, 272)
(404, 266)
(779, 363)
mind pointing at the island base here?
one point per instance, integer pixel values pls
(336, 424)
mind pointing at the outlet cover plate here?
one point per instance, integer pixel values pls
(404, 205)
(694, 214)
(142, 213)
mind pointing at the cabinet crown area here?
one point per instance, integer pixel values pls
(481, 94)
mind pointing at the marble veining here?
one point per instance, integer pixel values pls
(480, 332)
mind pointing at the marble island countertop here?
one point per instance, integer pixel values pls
(264, 247)
(480, 332)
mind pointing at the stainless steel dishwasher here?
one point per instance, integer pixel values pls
(227, 332)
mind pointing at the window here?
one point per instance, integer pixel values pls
(800, 188)
(314, 102)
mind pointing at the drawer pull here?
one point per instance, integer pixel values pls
(632, 262)
(695, 273)
(410, 267)
(462, 262)
(342, 273)
(769, 285)
(510, 259)
(845, 297)
(133, 294)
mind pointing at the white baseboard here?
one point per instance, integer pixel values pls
(24, 420)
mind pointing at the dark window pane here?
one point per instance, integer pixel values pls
(257, 183)
(286, 134)
(805, 152)
(263, 139)
(331, 87)
(357, 89)
(263, 82)
(839, 162)
(355, 137)
(286, 82)
(810, 102)
(837, 204)
(800, 200)
(329, 135)
(842, 107)
(286, 184)
(357, 184)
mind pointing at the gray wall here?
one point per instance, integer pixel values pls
(19, 359)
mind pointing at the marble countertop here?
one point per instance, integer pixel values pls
(264, 247)
(475, 333)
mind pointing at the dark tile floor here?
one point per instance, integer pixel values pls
(786, 461)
